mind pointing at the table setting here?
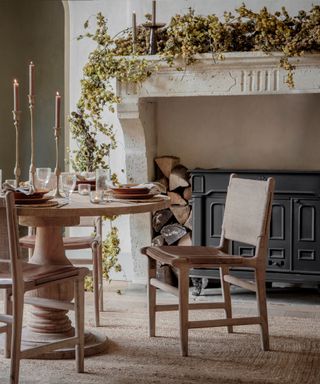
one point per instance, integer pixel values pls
(51, 200)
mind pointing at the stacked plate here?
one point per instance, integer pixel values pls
(132, 192)
(37, 198)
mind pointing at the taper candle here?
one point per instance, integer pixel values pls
(16, 101)
(31, 78)
(57, 110)
(154, 6)
(134, 28)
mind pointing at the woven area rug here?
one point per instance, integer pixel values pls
(215, 356)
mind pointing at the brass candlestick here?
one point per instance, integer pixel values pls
(57, 171)
(32, 169)
(16, 122)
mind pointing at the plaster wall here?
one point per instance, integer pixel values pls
(238, 132)
(30, 30)
(260, 132)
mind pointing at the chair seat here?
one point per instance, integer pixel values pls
(35, 275)
(69, 243)
(192, 255)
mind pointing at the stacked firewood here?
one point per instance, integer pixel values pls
(173, 226)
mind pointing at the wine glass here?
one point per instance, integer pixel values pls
(43, 175)
(68, 183)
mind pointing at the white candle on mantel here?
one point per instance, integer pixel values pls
(154, 5)
(16, 101)
(31, 78)
(57, 110)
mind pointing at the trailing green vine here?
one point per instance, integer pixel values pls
(183, 38)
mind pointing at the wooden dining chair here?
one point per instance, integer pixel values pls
(247, 220)
(18, 277)
(93, 242)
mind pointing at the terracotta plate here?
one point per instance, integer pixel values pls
(132, 196)
(127, 189)
(33, 200)
(46, 204)
(37, 195)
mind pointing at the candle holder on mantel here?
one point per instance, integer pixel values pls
(32, 169)
(16, 122)
(153, 49)
(57, 171)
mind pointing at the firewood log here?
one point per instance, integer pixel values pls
(178, 178)
(187, 193)
(185, 240)
(160, 218)
(173, 232)
(157, 241)
(176, 199)
(188, 223)
(181, 213)
(165, 183)
(166, 164)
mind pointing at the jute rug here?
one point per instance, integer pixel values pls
(215, 356)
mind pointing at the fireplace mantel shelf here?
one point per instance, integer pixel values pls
(240, 73)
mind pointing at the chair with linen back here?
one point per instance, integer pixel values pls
(246, 219)
(18, 277)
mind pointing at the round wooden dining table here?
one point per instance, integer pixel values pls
(43, 324)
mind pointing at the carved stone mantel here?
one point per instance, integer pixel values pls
(239, 73)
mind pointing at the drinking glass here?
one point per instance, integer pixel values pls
(84, 189)
(101, 177)
(68, 183)
(96, 197)
(108, 187)
(43, 175)
(104, 182)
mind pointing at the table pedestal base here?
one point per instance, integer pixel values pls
(95, 344)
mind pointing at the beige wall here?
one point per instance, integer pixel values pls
(253, 132)
(30, 30)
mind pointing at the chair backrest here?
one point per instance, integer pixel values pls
(9, 238)
(248, 210)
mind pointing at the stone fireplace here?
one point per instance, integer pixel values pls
(196, 128)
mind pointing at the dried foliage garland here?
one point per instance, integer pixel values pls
(183, 38)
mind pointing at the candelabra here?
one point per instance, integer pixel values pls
(57, 171)
(32, 169)
(153, 49)
(16, 122)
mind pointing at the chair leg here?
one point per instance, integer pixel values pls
(99, 255)
(225, 286)
(100, 273)
(8, 335)
(152, 292)
(95, 274)
(262, 308)
(79, 323)
(16, 338)
(183, 308)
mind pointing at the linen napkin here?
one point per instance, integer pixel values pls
(28, 191)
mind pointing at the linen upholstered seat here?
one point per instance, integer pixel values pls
(246, 219)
